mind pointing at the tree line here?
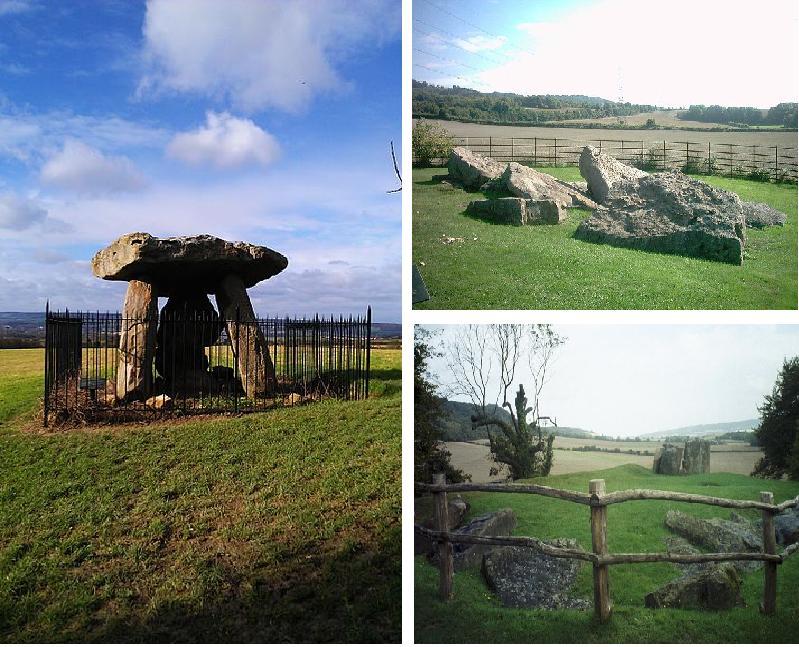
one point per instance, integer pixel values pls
(783, 114)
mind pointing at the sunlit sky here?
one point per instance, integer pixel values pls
(267, 122)
(625, 380)
(669, 53)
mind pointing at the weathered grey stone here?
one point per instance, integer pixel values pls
(472, 170)
(492, 524)
(505, 211)
(456, 509)
(525, 182)
(680, 546)
(602, 172)
(670, 213)
(196, 262)
(696, 457)
(786, 527)
(256, 370)
(717, 535)
(715, 588)
(759, 215)
(134, 377)
(526, 579)
(668, 460)
(544, 212)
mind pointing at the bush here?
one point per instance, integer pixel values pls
(694, 165)
(430, 142)
(759, 175)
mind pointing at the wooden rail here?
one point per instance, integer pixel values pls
(599, 557)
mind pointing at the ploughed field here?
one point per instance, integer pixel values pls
(475, 615)
(759, 137)
(281, 526)
(473, 457)
(472, 263)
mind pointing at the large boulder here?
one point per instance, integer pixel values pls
(759, 215)
(786, 526)
(735, 535)
(668, 460)
(492, 524)
(602, 172)
(523, 578)
(472, 170)
(715, 588)
(424, 515)
(670, 213)
(696, 457)
(525, 182)
(516, 211)
(173, 265)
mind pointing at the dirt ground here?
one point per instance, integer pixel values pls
(473, 458)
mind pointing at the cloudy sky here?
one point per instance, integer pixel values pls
(634, 379)
(264, 121)
(663, 52)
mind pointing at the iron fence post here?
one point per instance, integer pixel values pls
(46, 361)
(236, 351)
(368, 346)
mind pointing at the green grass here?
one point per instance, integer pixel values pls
(272, 527)
(546, 268)
(475, 616)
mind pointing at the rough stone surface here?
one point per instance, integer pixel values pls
(715, 588)
(602, 172)
(456, 508)
(492, 524)
(472, 170)
(525, 182)
(172, 264)
(680, 546)
(517, 211)
(786, 527)
(670, 213)
(696, 457)
(668, 460)
(759, 215)
(134, 377)
(718, 535)
(523, 578)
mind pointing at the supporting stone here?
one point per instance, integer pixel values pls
(137, 342)
(256, 371)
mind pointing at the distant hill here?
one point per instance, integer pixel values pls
(710, 429)
(456, 423)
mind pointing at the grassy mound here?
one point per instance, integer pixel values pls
(546, 268)
(272, 527)
(475, 616)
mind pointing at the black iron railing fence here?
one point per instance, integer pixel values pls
(778, 163)
(102, 366)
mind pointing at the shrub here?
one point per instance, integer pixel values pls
(759, 175)
(429, 142)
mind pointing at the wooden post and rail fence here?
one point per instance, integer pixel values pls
(598, 500)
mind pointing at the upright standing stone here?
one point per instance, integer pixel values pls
(256, 370)
(137, 342)
(696, 459)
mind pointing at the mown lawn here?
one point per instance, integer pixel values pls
(475, 616)
(546, 268)
(272, 527)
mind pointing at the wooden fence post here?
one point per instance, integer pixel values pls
(769, 604)
(664, 155)
(599, 541)
(445, 563)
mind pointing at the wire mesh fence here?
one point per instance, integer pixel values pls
(777, 163)
(103, 366)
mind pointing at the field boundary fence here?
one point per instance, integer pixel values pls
(599, 557)
(105, 367)
(776, 163)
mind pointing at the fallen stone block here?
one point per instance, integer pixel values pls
(715, 589)
(602, 172)
(759, 215)
(492, 524)
(472, 170)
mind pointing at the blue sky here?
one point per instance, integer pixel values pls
(634, 379)
(264, 121)
(666, 52)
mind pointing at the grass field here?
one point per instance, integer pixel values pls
(474, 458)
(546, 268)
(273, 527)
(475, 616)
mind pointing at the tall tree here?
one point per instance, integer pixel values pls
(778, 432)
(429, 457)
(484, 360)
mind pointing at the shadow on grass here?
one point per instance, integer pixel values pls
(353, 595)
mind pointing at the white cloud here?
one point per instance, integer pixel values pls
(9, 7)
(18, 213)
(259, 54)
(622, 44)
(480, 43)
(83, 169)
(225, 142)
